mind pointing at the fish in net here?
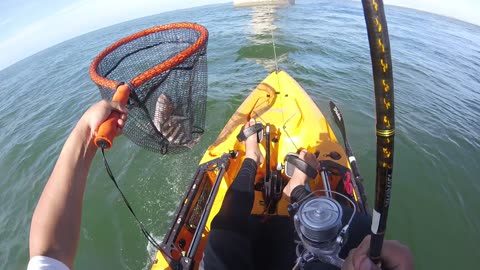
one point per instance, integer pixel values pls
(175, 128)
(165, 69)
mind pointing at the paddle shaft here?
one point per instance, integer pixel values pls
(385, 118)
(267, 152)
(337, 115)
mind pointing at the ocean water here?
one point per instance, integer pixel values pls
(323, 44)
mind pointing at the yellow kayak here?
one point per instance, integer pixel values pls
(293, 122)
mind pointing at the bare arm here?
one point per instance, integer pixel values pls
(55, 227)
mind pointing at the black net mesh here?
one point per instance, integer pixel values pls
(167, 112)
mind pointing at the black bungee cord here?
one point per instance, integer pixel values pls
(145, 232)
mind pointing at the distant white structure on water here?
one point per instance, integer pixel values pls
(249, 3)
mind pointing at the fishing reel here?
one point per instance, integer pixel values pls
(318, 223)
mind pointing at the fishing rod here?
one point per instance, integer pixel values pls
(385, 118)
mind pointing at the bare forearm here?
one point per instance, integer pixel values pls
(56, 221)
(55, 228)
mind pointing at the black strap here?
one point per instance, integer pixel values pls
(247, 132)
(142, 228)
(297, 162)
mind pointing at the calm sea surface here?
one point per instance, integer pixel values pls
(323, 44)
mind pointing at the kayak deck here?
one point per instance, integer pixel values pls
(295, 122)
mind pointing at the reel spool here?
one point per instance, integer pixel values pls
(318, 223)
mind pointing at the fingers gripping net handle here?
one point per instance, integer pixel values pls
(165, 68)
(108, 130)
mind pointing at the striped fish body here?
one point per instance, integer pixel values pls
(174, 128)
(164, 108)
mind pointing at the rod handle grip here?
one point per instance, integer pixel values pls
(376, 245)
(108, 129)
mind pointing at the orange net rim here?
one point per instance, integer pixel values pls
(158, 69)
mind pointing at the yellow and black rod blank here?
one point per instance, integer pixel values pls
(385, 118)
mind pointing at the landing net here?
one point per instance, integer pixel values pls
(165, 68)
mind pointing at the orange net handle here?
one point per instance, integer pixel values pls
(109, 129)
(158, 69)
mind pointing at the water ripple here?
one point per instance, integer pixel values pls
(436, 62)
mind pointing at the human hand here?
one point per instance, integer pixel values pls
(395, 256)
(99, 112)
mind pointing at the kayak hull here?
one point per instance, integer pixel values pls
(295, 122)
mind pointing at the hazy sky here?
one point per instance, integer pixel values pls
(29, 26)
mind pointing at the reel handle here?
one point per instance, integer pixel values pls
(108, 129)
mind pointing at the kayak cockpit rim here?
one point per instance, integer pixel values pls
(190, 198)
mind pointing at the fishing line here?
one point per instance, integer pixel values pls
(276, 72)
(279, 85)
(274, 51)
(273, 41)
(146, 233)
(290, 138)
(258, 116)
(285, 129)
